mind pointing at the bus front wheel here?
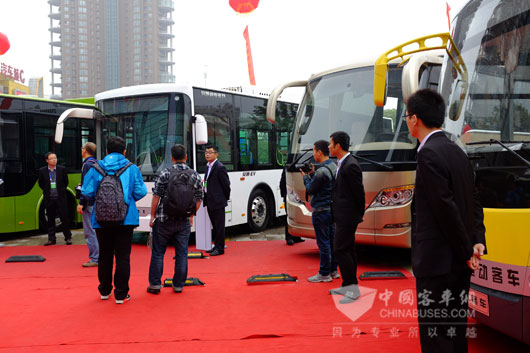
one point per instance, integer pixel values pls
(258, 210)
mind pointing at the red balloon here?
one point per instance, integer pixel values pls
(244, 6)
(4, 44)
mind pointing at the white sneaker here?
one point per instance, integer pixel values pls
(121, 301)
(319, 278)
(335, 275)
(105, 297)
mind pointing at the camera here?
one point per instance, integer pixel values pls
(305, 167)
(78, 191)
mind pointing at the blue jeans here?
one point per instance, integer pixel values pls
(165, 233)
(325, 234)
(90, 234)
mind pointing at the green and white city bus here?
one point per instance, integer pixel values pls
(27, 129)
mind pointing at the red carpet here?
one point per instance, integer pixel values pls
(54, 306)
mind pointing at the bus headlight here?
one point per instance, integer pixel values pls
(396, 196)
(293, 196)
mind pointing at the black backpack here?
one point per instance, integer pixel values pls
(180, 199)
(110, 208)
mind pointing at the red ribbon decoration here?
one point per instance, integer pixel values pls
(249, 58)
(448, 9)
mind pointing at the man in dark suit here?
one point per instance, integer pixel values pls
(216, 196)
(348, 209)
(289, 239)
(53, 180)
(448, 231)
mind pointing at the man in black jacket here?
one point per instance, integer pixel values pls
(216, 196)
(289, 239)
(448, 231)
(53, 180)
(348, 209)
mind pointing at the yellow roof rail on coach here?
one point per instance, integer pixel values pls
(404, 51)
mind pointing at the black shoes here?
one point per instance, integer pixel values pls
(216, 252)
(124, 300)
(153, 290)
(52, 242)
(293, 240)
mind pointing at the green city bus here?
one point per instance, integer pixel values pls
(27, 130)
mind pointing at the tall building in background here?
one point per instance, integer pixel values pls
(36, 86)
(97, 45)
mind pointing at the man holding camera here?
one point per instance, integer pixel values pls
(319, 184)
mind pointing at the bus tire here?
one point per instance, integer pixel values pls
(258, 211)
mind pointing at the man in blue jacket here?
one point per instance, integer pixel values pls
(86, 206)
(319, 185)
(115, 241)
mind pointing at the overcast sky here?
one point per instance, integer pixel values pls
(290, 39)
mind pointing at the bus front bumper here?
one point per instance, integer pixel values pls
(381, 226)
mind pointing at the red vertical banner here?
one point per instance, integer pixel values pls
(249, 58)
(448, 10)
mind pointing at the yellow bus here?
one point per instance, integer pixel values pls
(485, 81)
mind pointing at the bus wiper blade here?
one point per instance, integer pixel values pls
(389, 167)
(512, 152)
(490, 141)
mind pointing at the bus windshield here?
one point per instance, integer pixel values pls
(491, 111)
(149, 132)
(494, 42)
(344, 101)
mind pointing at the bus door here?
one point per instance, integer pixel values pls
(11, 171)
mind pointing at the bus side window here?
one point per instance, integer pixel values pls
(10, 156)
(245, 153)
(217, 108)
(254, 133)
(285, 118)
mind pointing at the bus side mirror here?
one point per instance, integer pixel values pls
(80, 113)
(59, 131)
(201, 130)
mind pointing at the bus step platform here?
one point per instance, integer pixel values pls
(383, 275)
(195, 255)
(26, 258)
(272, 278)
(192, 281)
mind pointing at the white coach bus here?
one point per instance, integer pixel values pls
(152, 118)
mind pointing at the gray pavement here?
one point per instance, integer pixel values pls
(239, 233)
(369, 255)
